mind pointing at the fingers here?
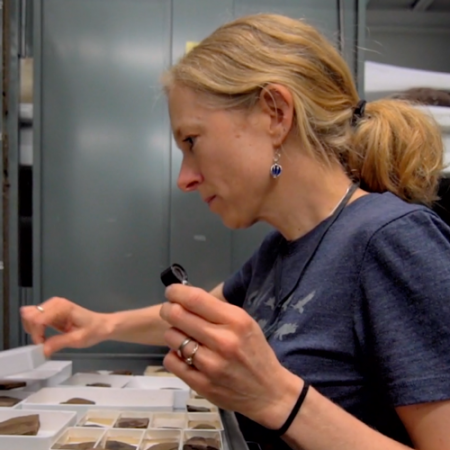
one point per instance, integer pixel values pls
(190, 375)
(56, 314)
(31, 325)
(191, 324)
(209, 321)
(199, 302)
(174, 339)
(73, 339)
(205, 360)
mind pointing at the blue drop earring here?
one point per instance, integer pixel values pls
(276, 168)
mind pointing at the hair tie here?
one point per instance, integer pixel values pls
(295, 410)
(358, 112)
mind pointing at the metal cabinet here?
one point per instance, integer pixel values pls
(108, 217)
(102, 165)
(198, 240)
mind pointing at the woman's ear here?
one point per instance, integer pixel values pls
(277, 101)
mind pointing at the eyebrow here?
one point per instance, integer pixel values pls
(177, 133)
(194, 126)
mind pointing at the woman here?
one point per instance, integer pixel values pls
(348, 295)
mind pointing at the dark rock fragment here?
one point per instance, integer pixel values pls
(7, 402)
(201, 443)
(79, 446)
(122, 372)
(132, 422)
(78, 401)
(20, 426)
(163, 446)
(117, 445)
(193, 408)
(6, 385)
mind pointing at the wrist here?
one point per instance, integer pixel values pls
(109, 327)
(285, 397)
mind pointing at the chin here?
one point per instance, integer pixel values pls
(237, 223)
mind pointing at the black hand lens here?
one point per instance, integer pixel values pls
(174, 274)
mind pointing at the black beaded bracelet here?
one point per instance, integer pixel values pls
(295, 409)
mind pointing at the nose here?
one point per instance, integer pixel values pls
(189, 178)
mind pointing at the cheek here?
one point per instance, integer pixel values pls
(218, 162)
(242, 163)
(257, 151)
(256, 165)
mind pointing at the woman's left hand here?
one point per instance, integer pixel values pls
(234, 367)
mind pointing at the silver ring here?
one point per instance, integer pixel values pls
(40, 308)
(190, 359)
(182, 345)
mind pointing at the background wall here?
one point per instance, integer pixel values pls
(108, 216)
(399, 34)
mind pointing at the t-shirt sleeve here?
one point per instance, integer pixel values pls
(405, 282)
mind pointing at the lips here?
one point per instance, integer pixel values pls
(209, 199)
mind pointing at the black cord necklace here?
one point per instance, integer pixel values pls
(281, 301)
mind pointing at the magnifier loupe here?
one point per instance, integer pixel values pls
(174, 274)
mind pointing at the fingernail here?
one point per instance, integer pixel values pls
(47, 351)
(168, 289)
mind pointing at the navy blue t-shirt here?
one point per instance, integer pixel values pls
(368, 324)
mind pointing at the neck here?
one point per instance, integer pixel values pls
(303, 198)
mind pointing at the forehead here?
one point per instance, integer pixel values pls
(186, 110)
(191, 112)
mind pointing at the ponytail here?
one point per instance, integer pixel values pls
(398, 148)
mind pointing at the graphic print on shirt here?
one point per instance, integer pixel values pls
(286, 304)
(290, 328)
(262, 323)
(300, 305)
(271, 303)
(284, 330)
(262, 296)
(252, 297)
(261, 304)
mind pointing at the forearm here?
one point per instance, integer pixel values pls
(143, 326)
(140, 326)
(321, 425)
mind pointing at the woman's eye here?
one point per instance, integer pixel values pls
(190, 140)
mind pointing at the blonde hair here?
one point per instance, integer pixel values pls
(393, 147)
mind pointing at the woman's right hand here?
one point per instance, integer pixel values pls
(79, 327)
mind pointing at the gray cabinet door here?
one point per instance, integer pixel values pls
(102, 153)
(108, 216)
(320, 13)
(198, 240)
